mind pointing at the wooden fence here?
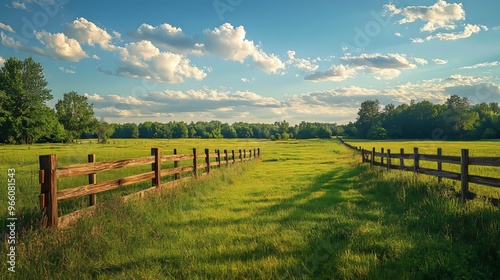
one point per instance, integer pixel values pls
(50, 172)
(387, 158)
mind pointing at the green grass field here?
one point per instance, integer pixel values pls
(307, 210)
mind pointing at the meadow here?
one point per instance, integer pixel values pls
(307, 209)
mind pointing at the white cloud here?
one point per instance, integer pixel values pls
(440, 61)
(230, 43)
(169, 37)
(6, 27)
(334, 74)
(383, 66)
(417, 40)
(11, 43)
(469, 29)
(19, 5)
(481, 65)
(301, 63)
(86, 32)
(144, 60)
(67, 71)
(420, 61)
(59, 46)
(2, 61)
(440, 15)
(398, 34)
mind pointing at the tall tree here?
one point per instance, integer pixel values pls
(367, 116)
(76, 115)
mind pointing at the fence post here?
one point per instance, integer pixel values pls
(464, 172)
(382, 155)
(241, 156)
(234, 158)
(258, 152)
(156, 167)
(373, 158)
(362, 156)
(401, 159)
(254, 155)
(218, 157)
(244, 154)
(388, 159)
(92, 180)
(195, 164)
(207, 160)
(440, 164)
(48, 164)
(416, 164)
(177, 176)
(227, 159)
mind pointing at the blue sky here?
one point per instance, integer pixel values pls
(256, 61)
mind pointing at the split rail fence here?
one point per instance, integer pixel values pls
(464, 160)
(50, 172)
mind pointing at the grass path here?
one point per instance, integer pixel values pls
(308, 210)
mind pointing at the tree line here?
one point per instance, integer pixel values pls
(457, 118)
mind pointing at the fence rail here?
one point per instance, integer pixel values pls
(50, 172)
(369, 156)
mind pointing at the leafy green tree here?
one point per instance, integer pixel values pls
(179, 130)
(76, 115)
(24, 93)
(104, 131)
(367, 116)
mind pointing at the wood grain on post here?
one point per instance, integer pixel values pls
(244, 154)
(464, 171)
(382, 155)
(218, 157)
(207, 160)
(234, 158)
(195, 164)
(156, 167)
(177, 176)
(227, 159)
(416, 163)
(241, 155)
(440, 164)
(92, 180)
(48, 164)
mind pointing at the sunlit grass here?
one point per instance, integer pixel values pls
(307, 210)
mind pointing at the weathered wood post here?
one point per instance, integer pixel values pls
(48, 178)
(177, 176)
(218, 157)
(464, 173)
(234, 158)
(401, 159)
(388, 159)
(92, 180)
(241, 156)
(207, 160)
(195, 164)
(440, 164)
(416, 163)
(372, 162)
(382, 155)
(156, 167)
(244, 154)
(226, 157)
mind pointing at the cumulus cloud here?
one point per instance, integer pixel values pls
(60, 47)
(481, 65)
(86, 32)
(420, 61)
(334, 74)
(440, 61)
(301, 63)
(144, 60)
(2, 61)
(169, 37)
(230, 43)
(417, 40)
(6, 27)
(469, 29)
(440, 15)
